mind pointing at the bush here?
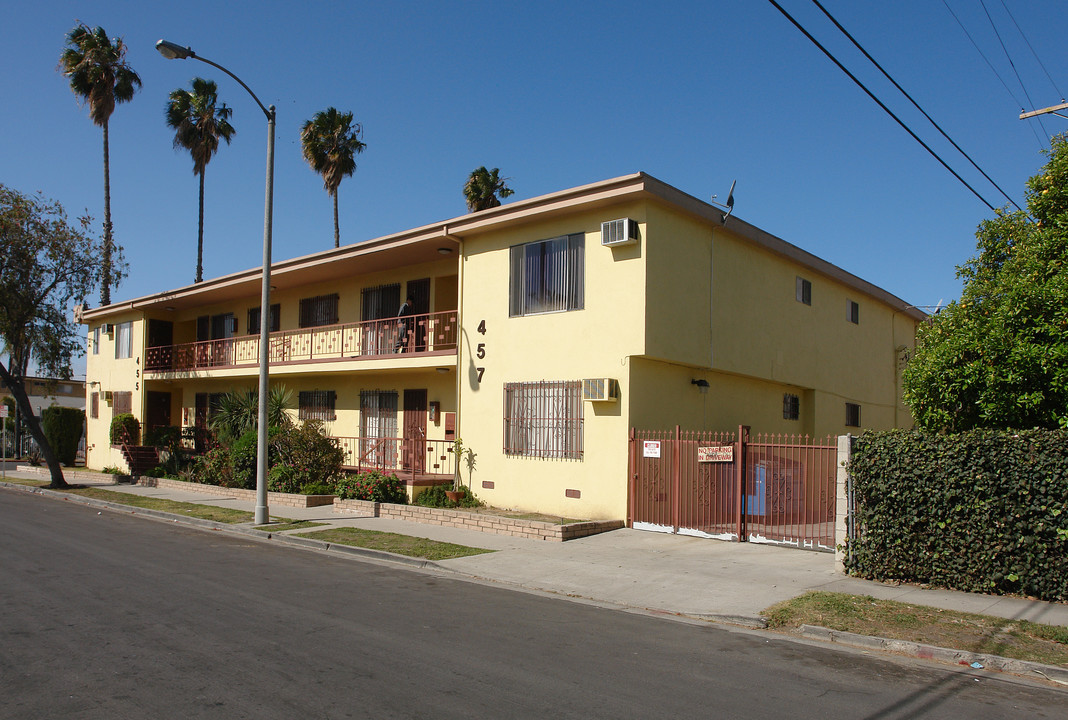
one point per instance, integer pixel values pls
(436, 497)
(62, 428)
(307, 452)
(282, 478)
(374, 486)
(981, 511)
(317, 489)
(243, 460)
(213, 468)
(127, 422)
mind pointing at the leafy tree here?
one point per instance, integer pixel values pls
(98, 73)
(45, 265)
(238, 412)
(330, 142)
(998, 358)
(199, 121)
(484, 188)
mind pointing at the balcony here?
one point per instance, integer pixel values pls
(429, 334)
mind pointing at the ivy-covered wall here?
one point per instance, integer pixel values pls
(981, 511)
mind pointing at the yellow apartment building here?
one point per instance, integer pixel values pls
(543, 331)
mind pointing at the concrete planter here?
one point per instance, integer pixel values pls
(273, 498)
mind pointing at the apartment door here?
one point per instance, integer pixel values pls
(157, 409)
(420, 292)
(415, 430)
(160, 353)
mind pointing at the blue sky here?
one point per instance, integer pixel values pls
(555, 94)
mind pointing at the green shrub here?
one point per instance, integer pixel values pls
(436, 497)
(372, 485)
(243, 460)
(213, 468)
(317, 489)
(62, 428)
(282, 478)
(981, 511)
(127, 422)
(307, 452)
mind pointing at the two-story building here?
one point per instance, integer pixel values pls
(543, 330)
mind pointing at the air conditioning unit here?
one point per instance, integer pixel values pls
(109, 329)
(600, 389)
(619, 232)
(108, 396)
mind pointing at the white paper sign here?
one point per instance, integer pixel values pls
(651, 448)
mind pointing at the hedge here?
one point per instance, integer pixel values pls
(62, 428)
(980, 511)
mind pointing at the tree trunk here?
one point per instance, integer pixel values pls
(337, 232)
(17, 386)
(105, 262)
(200, 234)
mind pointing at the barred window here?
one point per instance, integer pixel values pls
(543, 419)
(547, 276)
(94, 405)
(791, 407)
(852, 415)
(319, 310)
(121, 402)
(378, 427)
(254, 319)
(317, 405)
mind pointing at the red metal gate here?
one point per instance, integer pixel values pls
(730, 486)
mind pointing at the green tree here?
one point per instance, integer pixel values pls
(99, 75)
(330, 142)
(998, 358)
(45, 265)
(199, 121)
(484, 188)
(238, 412)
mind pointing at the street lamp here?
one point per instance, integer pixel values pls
(173, 51)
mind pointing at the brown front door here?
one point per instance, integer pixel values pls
(157, 410)
(415, 430)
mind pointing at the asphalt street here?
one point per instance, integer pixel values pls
(106, 615)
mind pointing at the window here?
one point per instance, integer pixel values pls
(96, 340)
(791, 407)
(124, 340)
(121, 402)
(543, 419)
(852, 415)
(318, 311)
(317, 405)
(94, 405)
(254, 319)
(547, 276)
(378, 427)
(804, 290)
(854, 312)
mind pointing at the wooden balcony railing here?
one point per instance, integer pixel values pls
(432, 332)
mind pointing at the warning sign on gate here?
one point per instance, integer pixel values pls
(651, 448)
(715, 453)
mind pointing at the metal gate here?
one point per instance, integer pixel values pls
(777, 489)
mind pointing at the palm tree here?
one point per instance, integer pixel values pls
(484, 188)
(198, 126)
(330, 142)
(99, 75)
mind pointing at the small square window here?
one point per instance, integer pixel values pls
(852, 415)
(804, 291)
(791, 407)
(854, 312)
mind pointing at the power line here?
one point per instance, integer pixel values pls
(880, 103)
(1029, 47)
(916, 104)
(1012, 65)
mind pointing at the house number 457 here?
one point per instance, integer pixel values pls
(480, 350)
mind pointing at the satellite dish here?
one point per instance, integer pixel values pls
(730, 202)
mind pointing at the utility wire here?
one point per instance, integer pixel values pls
(1037, 58)
(880, 103)
(916, 104)
(1013, 66)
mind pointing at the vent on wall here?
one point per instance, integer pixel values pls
(600, 389)
(619, 232)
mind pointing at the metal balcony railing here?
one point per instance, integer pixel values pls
(416, 334)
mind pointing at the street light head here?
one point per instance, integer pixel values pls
(174, 51)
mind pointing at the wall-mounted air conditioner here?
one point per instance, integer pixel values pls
(619, 232)
(600, 389)
(108, 396)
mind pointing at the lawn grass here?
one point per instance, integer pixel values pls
(865, 615)
(279, 527)
(213, 513)
(392, 542)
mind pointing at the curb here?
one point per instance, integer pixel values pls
(1052, 673)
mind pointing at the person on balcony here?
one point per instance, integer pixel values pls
(404, 324)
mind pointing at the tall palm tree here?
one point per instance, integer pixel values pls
(330, 142)
(484, 188)
(98, 73)
(199, 122)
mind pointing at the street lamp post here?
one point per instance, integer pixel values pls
(173, 51)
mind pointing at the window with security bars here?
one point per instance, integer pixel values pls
(791, 407)
(543, 419)
(378, 427)
(94, 405)
(121, 402)
(317, 405)
(318, 311)
(547, 276)
(852, 415)
(275, 317)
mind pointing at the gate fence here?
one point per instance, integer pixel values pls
(777, 489)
